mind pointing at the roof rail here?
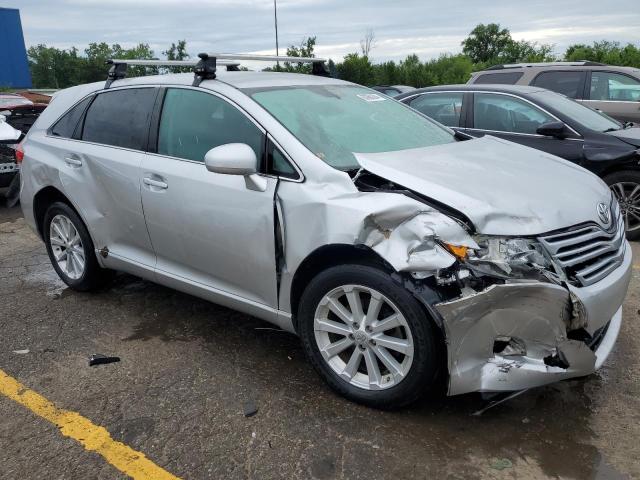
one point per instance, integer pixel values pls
(582, 63)
(205, 68)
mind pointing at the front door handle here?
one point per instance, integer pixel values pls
(73, 160)
(155, 183)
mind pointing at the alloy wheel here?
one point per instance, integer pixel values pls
(628, 196)
(363, 337)
(67, 247)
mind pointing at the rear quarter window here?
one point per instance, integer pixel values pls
(567, 83)
(66, 126)
(498, 78)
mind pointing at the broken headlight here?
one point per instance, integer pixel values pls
(503, 256)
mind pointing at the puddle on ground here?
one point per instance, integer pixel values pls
(46, 276)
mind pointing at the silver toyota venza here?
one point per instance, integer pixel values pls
(400, 254)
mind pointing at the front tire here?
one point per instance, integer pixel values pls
(368, 337)
(71, 249)
(625, 185)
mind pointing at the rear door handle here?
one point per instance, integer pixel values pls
(73, 160)
(155, 183)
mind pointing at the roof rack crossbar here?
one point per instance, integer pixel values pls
(205, 67)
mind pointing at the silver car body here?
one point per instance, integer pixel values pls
(212, 235)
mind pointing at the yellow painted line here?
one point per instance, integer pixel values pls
(92, 437)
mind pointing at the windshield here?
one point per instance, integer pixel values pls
(583, 115)
(336, 121)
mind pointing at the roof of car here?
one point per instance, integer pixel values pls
(544, 66)
(518, 89)
(240, 80)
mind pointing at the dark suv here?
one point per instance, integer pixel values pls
(612, 90)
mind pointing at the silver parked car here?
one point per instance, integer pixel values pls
(399, 253)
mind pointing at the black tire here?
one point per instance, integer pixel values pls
(93, 276)
(629, 177)
(424, 371)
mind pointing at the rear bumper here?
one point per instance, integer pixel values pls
(536, 315)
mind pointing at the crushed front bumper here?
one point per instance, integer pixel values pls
(537, 317)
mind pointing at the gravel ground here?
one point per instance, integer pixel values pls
(188, 366)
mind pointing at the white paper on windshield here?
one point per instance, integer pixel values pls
(371, 97)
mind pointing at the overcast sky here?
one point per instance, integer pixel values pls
(425, 27)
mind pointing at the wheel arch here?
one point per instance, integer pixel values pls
(46, 197)
(326, 257)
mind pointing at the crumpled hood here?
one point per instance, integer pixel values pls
(502, 187)
(628, 135)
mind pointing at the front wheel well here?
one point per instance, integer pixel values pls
(43, 200)
(329, 256)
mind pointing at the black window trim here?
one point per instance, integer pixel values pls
(564, 70)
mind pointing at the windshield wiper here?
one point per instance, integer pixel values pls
(612, 129)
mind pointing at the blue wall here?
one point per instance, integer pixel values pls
(14, 67)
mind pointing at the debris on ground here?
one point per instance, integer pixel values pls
(501, 463)
(99, 359)
(21, 352)
(250, 408)
(497, 400)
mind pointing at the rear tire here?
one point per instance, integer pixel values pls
(71, 249)
(383, 365)
(625, 185)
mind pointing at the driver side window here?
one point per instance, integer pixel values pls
(503, 113)
(194, 122)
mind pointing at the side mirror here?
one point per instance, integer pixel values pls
(8, 134)
(236, 159)
(552, 129)
(232, 159)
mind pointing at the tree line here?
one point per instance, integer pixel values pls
(485, 45)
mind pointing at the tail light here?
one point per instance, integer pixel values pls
(19, 153)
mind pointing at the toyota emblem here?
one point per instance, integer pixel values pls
(603, 213)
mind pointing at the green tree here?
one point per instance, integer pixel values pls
(486, 42)
(305, 49)
(178, 52)
(357, 69)
(611, 53)
(54, 68)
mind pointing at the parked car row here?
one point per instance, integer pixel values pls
(613, 90)
(546, 121)
(404, 254)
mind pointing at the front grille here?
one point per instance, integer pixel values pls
(588, 253)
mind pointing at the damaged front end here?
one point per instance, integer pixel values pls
(534, 323)
(515, 312)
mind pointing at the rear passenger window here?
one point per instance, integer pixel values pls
(566, 83)
(67, 124)
(503, 113)
(498, 78)
(614, 87)
(120, 118)
(193, 122)
(442, 107)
